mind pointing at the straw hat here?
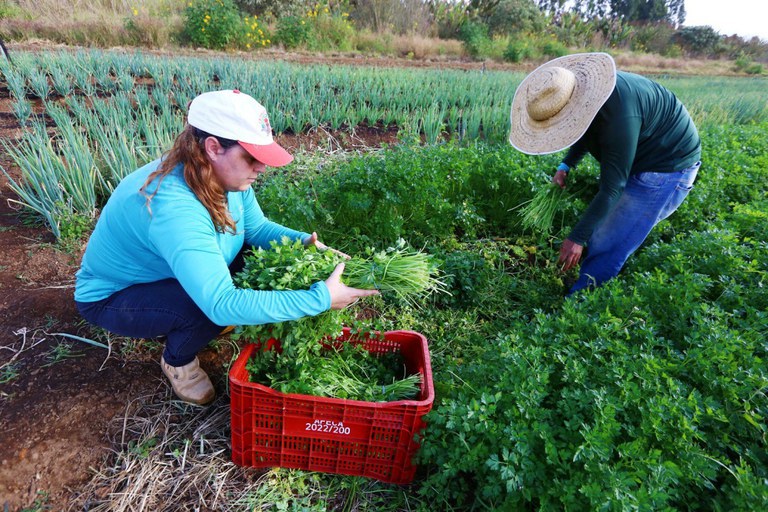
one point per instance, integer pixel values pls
(556, 103)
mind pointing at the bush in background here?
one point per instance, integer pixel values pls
(515, 16)
(219, 24)
(151, 29)
(320, 28)
(275, 8)
(475, 36)
(292, 31)
(519, 50)
(746, 65)
(395, 16)
(656, 38)
(701, 40)
(211, 24)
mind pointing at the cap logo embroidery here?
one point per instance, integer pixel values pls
(265, 126)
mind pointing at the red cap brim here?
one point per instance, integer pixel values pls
(272, 155)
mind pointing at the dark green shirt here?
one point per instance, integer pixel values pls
(642, 127)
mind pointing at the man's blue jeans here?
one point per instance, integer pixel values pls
(150, 310)
(648, 198)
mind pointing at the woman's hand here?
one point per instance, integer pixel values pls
(341, 294)
(312, 240)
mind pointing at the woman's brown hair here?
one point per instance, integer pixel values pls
(189, 150)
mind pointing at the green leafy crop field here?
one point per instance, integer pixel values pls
(649, 393)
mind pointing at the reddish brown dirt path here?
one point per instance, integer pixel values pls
(52, 418)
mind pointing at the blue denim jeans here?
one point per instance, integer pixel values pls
(161, 308)
(648, 198)
(151, 310)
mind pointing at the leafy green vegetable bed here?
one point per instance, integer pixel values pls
(649, 393)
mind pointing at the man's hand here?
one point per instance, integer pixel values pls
(570, 254)
(341, 294)
(560, 178)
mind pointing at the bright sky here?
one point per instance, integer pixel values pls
(745, 18)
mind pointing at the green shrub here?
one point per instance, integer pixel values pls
(519, 50)
(652, 38)
(9, 10)
(515, 16)
(320, 28)
(215, 24)
(553, 48)
(293, 32)
(276, 8)
(475, 37)
(745, 64)
(371, 42)
(332, 30)
(701, 40)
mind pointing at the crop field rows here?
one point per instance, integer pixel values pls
(649, 393)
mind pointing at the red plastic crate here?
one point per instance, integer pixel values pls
(332, 435)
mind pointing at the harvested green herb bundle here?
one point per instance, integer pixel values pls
(538, 214)
(405, 272)
(402, 271)
(348, 371)
(304, 365)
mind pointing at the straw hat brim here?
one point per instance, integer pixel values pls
(595, 75)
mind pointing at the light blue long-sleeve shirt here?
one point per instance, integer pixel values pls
(177, 239)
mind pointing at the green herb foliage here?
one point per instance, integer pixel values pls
(304, 363)
(650, 393)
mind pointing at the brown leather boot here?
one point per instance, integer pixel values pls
(189, 382)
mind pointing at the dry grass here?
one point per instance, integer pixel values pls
(172, 456)
(656, 64)
(168, 455)
(409, 45)
(421, 47)
(61, 10)
(101, 23)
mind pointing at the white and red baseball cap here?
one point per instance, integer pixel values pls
(234, 115)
